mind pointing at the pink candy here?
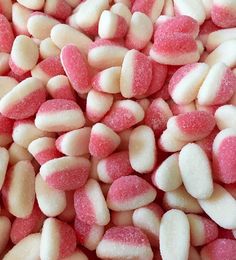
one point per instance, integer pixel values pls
(6, 35)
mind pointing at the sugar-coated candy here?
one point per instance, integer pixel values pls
(52, 202)
(22, 227)
(114, 166)
(88, 235)
(191, 126)
(223, 13)
(174, 235)
(48, 48)
(27, 248)
(6, 35)
(4, 160)
(225, 116)
(4, 63)
(6, 127)
(90, 205)
(74, 143)
(142, 149)
(59, 115)
(88, 14)
(124, 243)
(202, 230)
(6, 85)
(220, 207)
(122, 218)
(77, 255)
(66, 173)
(167, 176)
(218, 86)
(122, 10)
(36, 5)
(25, 131)
(47, 69)
(38, 20)
(58, 9)
(6, 8)
(224, 148)
(151, 8)
(182, 200)
(177, 109)
(103, 141)
(5, 228)
(76, 68)
(68, 214)
(98, 104)
(186, 81)
(195, 170)
(18, 189)
(74, 36)
(136, 74)
(107, 80)
(123, 115)
(105, 53)
(140, 31)
(130, 192)
(18, 153)
(111, 25)
(24, 55)
(58, 240)
(219, 249)
(148, 219)
(23, 100)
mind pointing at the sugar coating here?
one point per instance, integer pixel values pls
(6, 35)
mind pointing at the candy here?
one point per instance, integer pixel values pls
(124, 243)
(111, 26)
(140, 31)
(136, 74)
(4, 160)
(5, 227)
(24, 55)
(224, 147)
(90, 205)
(191, 126)
(202, 230)
(6, 8)
(148, 219)
(73, 36)
(151, 8)
(74, 143)
(194, 9)
(103, 141)
(58, 9)
(123, 115)
(47, 48)
(182, 200)
(68, 214)
(98, 104)
(58, 240)
(6, 127)
(51, 201)
(59, 115)
(167, 176)
(195, 170)
(78, 254)
(174, 235)
(186, 81)
(122, 218)
(223, 13)
(105, 53)
(157, 115)
(168, 8)
(27, 248)
(18, 189)
(6, 35)
(6, 85)
(114, 166)
(219, 249)
(22, 227)
(130, 192)
(225, 117)
(142, 149)
(122, 10)
(220, 207)
(18, 153)
(36, 5)
(177, 109)
(47, 69)
(4, 63)
(65, 173)
(221, 90)
(76, 68)
(88, 235)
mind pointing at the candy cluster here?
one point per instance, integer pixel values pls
(118, 129)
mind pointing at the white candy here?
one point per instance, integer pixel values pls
(226, 117)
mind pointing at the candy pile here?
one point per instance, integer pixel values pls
(118, 129)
